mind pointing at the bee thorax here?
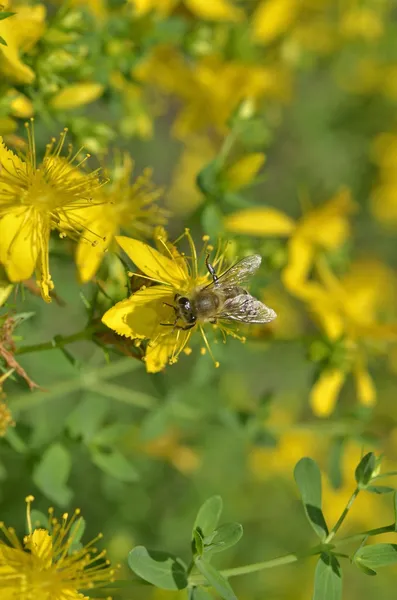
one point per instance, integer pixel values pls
(206, 304)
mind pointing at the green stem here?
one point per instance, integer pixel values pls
(293, 557)
(343, 516)
(58, 341)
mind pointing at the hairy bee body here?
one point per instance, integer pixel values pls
(224, 298)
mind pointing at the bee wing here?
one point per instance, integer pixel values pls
(239, 273)
(244, 308)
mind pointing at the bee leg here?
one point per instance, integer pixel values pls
(170, 305)
(211, 269)
(186, 328)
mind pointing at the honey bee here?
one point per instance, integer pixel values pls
(224, 299)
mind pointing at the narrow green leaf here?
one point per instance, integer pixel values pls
(161, 569)
(365, 569)
(376, 555)
(327, 578)
(308, 479)
(197, 543)
(379, 489)
(365, 469)
(200, 593)
(52, 473)
(215, 579)
(224, 537)
(208, 515)
(2, 41)
(115, 464)
(5, 14)
(75, 535)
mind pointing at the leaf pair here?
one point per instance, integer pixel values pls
(169, 572)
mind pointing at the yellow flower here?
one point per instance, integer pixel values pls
(143, 315)
(216, 10)
(36, 198)
(273, 18)
(211, 89)
(324, 228)
(348, 312)
(76, 95)
(21, 32)
(169, 447)
(45, 566)
(121, 205)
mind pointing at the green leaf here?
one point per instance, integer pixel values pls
(115, 464)
(208, 178)
(376, 555)
(163, 570)
(215, 579)
(212, 220)
(75, 535)
(365, 569)
(197, 542)
(327, 578)
(4, 14)
(224, 537)
(87, 418)
(208, 515)
(379, 489)
(308, 479)
(52, 473)
(38, 519)
(200, 593)
(2, 41)
(334, 462)
(365, 469)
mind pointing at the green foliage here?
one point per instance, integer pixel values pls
(327, 578)
(308, 479)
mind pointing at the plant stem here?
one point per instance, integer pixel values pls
(293, 557)
(58, 341)
(342, 517)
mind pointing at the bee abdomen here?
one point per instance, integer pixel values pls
(206, 304)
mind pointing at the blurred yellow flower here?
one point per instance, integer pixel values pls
(273, 18)
(6, 419)
(120, 206)
(46, 567)
(183, 196)
(216, 10)
(150, 313)
(348, 310)
(169, 447)
(36, 198)
(242, 172)
(21, 32)
(77, 94)
(323, 228)
(211, 88)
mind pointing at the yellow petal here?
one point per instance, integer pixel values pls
(21, 32)
(5, 291)
(365, 386)
(76, 95)
(325, 392)
(90, 254)
(215, 10)
(18, 245)
(40, 545)
(161, 352)
(273, 18)
(10, 162)
(141, 315)
(153, 264)
(300, 262)
(242, 172)
(22, 107)
(264, 221)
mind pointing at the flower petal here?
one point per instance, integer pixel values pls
(141, 315)
(18, 246)
(90, 254)
(164, 350)
(152, 263)
(365, 386)
(40, 545)
(215, 10)
(325, 392)
(265, 221)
